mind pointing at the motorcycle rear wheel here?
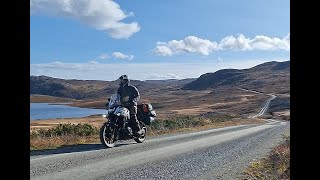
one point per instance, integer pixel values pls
(142, 137)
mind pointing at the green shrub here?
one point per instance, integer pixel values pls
(66, 129)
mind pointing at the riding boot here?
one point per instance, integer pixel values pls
(136, 129)
(133, 117)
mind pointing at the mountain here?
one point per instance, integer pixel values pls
(75, 89)
(92, 89)
(267, 77)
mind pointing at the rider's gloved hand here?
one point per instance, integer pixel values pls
(130, 103)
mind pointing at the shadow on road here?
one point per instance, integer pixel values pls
(73, 148)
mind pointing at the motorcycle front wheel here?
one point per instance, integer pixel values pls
(108, 136)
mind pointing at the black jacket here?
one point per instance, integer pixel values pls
(130, 92)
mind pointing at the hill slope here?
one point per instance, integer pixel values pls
(267, 77)
(91, 89)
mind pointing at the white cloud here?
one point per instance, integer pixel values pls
(93, 62)
(162, 51)
(189, 44)
(287, 38)
(267, 43)
(120, 55)
(162, 76)
(194, 44)
(257, 43)
(240, 43)
(151, 71)
(57, 63)
(104, 56)
(105, 15)
(60, 65)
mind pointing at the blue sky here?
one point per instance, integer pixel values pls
(102, 39)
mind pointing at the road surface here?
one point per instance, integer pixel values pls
(265, 107)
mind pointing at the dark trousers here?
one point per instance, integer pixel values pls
(133, 117)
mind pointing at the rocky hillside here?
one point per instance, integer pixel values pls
(267, 77)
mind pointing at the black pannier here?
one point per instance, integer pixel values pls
(146, 113)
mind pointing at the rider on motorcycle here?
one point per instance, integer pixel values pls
(129, 96)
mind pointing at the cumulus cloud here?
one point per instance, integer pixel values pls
(104, 15)
(162, 51)
(267, 43)
(230, 42)
(192, 44)
(120, 55)
(257, 43)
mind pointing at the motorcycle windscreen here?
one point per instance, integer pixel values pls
(114, 100)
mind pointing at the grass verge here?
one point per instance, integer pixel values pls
(272, 167)
(72, 134)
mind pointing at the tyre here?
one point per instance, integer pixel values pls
(107, 136)
(142, 137)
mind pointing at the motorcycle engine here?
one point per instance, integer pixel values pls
(126, 132)
(129, 131)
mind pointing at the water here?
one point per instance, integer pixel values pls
(49, 111)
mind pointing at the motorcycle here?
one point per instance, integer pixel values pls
(119, 126)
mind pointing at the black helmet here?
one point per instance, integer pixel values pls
(123, 77)
(124, 80)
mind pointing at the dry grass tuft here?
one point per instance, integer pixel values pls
(273, 167)
(40, 143)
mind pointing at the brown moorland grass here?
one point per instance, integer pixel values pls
(276, 165)
(51, 123)
(42, 143)
(49, 99)
(175, 113)
(187, 102)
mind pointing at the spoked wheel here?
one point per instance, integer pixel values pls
(142, 137)
(107, 136)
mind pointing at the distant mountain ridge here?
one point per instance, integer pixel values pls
(91, 89)
(75, 89)
(267, 77)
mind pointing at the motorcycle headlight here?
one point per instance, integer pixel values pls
(105, 115)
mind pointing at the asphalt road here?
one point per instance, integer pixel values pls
(220, 153)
